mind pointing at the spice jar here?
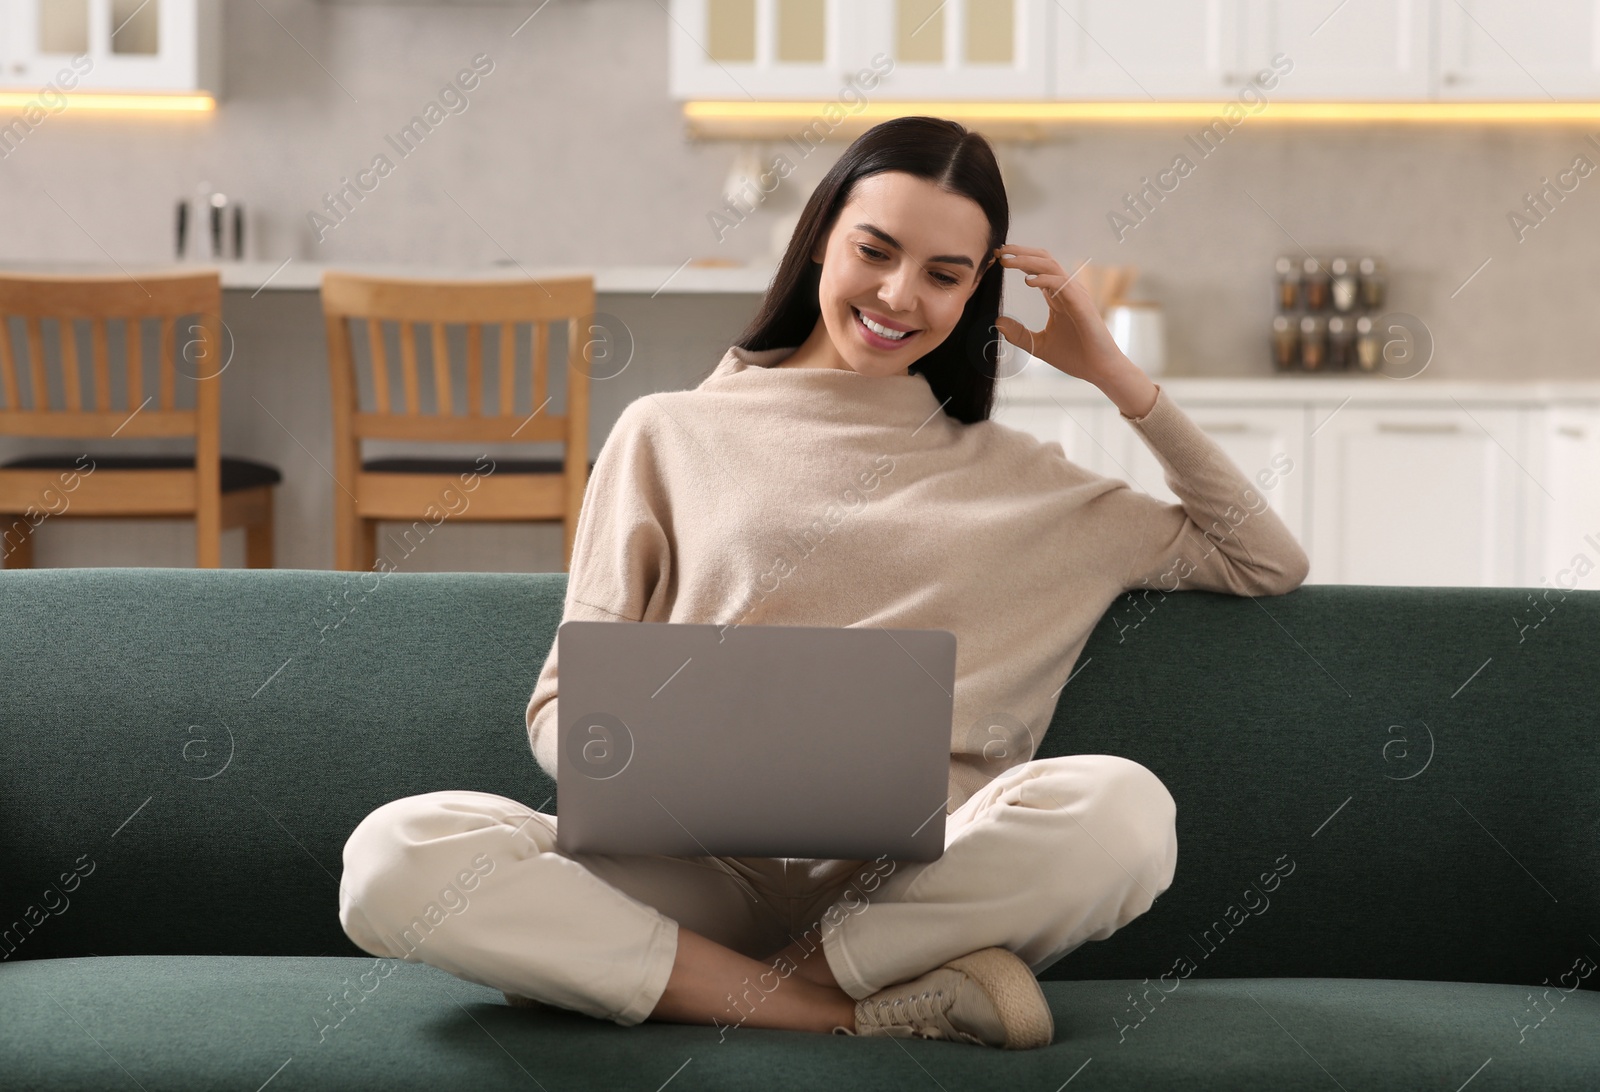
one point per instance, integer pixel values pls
(1372, 282)
(1368, 348)
(1285, 344)
(1313, 351)
(1314, 280)
(1340, 338)
(1288, 274)
(1343, 276)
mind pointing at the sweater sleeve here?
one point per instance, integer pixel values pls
(1223, 536)
(621, 555)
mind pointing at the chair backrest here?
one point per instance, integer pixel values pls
(45, 392)
(497, 308)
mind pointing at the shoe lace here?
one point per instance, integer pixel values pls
(917, 1011)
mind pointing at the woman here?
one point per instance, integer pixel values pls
(839, 468)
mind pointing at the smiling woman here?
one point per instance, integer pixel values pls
(892, 270)
(870, 368)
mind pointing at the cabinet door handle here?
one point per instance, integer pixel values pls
(1398, 426)
(1574, 431)
(1226, 426)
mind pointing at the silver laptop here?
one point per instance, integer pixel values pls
(753, 741)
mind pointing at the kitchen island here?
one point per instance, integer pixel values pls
(665, 327)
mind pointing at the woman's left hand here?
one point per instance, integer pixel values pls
(1074, 339)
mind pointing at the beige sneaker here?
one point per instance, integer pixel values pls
(989, 997)
(516, 1000)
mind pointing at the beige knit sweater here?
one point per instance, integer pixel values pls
(821, 497)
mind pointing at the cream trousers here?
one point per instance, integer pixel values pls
(1052, 853)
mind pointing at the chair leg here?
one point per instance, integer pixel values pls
(347, 533)
(366, 553)
(251, 510)
(258, 535)
(208, 544)
(16, 542)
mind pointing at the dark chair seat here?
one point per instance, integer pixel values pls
(237, 474)
(402, 465)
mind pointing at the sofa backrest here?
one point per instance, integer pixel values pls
(189, 749)
(1371, 782)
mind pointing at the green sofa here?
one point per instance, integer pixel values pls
(1388, 819)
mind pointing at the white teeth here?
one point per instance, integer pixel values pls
(882, 331)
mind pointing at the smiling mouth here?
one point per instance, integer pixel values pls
(881, 333)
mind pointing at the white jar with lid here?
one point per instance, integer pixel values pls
(1138, 328)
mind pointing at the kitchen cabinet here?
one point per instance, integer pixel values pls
(1159, 49)
(1502, 49)
(959, 49)
(1358, 49)
(815, 49)
(1267, 443)
(112, 45)
(1080, 430)
(1564, 502)
(1138, 50)
(1456, 484)
(1425, 495)
(1147, 49)
(757, 49)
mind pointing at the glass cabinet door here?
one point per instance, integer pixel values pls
(122, 45)
(813, 49)
(947, 50)
(759, 49)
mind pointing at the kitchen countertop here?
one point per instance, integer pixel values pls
(1039, 383)
(299, 275)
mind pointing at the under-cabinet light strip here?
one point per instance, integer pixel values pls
(1233, 110)
(97, 100)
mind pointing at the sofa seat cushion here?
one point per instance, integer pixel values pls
(207, 1022)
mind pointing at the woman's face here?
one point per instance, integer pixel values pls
(907, 255)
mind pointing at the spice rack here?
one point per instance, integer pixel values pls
(1326, 314)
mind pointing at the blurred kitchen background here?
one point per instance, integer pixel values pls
(572, 150)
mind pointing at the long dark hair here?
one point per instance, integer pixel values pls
(962, 370)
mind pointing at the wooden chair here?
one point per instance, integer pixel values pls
(218, 493)
(409, 489)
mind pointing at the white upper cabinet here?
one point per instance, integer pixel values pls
(112, 45)
(1132, 50)
(1502, 49)
(1143, 50)
(1358, 49)
(8, 43)
(814, 49)
(757, 49)
(959, 49)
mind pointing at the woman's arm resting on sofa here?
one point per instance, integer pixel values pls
(1223, 535)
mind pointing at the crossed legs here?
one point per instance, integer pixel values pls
(1052, 853)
